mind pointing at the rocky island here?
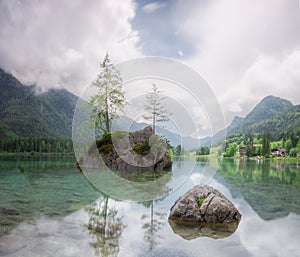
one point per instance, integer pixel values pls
(141, 150)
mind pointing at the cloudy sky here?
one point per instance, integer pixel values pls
(245, 49)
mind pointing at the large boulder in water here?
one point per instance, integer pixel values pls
(204, 204)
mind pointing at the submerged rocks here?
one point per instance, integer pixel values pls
(10, 211)
(10, 244)
(206, 205)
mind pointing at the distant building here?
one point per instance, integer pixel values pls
(278, 152)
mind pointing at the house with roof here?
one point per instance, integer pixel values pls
(278, 152)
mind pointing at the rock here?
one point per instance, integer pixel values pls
(47, 228)
(129, 151)
(11, 211)
(7, 222)
(204, 204)
(72, 201)
(54, 213)
(23, 200)
(10, 244)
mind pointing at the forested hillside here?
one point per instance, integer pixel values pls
(277, 116)
(272, 120)
(25, 113)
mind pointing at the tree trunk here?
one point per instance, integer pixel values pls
(106, 115)
(153, 119)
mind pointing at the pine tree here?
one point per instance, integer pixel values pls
(156, 110)
(265, 150)
(110, 98)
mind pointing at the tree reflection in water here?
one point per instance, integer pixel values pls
(152, 225)
(105, 227)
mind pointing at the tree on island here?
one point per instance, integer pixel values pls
(109, 98)
(156, 110)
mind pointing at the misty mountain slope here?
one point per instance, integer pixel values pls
(24, 113)
(221, 135)
(272, 114)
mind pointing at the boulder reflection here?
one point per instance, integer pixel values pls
(191, 231)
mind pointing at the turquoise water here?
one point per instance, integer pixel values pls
(48, 208)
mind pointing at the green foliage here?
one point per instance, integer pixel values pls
(204, 150)
(293, 152)
(265, 150)
(110, 98)
(298, 146)
(155, 108)
(142, 148)
(105, 139)
(288, 145)
(201, 200)
(249, 143)
(36, 145)
(273, 119)
(234, 138)
(177, 150)
(231, 150)
(274, 115)
(105, 148)
(24, 113)
(104, 144)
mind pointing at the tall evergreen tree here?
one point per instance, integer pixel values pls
(249, 142)
(155, 108)
(265, 150)
(109, 98)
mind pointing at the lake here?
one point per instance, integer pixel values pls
(48, 208)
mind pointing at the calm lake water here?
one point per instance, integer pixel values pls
(48, 208)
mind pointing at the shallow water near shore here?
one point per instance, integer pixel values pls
(48, 208)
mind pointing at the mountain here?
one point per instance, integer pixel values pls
(269, 108)
(221, 135)
(25, 113)
(272, 114)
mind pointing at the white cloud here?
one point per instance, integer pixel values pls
(152, 7)
(180, 53)
(60, 44)
(244, 49)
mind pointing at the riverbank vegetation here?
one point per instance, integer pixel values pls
(36, 145)
(260, 146)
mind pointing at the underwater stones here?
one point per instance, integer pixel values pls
(10, 211)
(10, 244)
(72, 200)
(23, 200)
